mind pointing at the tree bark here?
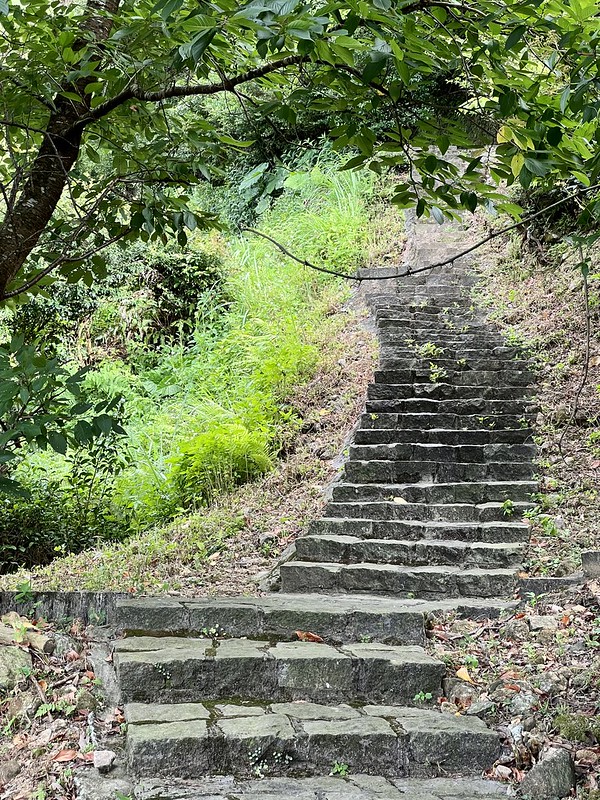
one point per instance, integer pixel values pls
(25, 222)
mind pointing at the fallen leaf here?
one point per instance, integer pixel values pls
(463, 674)
(307, 636)
(64, 755)
(72, 655)
(401, 501)
(88, 756)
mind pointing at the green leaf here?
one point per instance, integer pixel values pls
(538, 168)
(515, 36)
(554, 136)
(57, 442)
(200, 44)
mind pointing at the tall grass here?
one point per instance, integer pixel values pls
(213, 413)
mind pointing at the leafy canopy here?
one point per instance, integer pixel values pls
(104, 102)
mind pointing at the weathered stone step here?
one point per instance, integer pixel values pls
(453, 453)
(427, 512)
(462, 353)
(429, 313)
(304, 739)
(450, 344)
(416, 530)
(457, 377)
(446, 391)
(427, 326)
(474, 405)
(382, 308)
(428, 582)
(410, 553)
(428, 492)
(389, 360)
(352, 787)
(433, 471)
(187, 670)
(451, 436)
(426, 420)
(276, 617)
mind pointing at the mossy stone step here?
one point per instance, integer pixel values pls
(457, 376)
(401, 510)
(351, 787)
(450, 436)
(390, 360)
(427, 420)
(304, 739)
(277, 617)
(172, 669)
(446, 391)
(469, 406)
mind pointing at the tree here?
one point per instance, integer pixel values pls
(101, 143)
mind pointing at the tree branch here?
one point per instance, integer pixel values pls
(63, 260)
(226, 85)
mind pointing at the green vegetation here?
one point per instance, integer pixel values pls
(205, 386)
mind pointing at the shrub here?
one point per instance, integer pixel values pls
(216, 461)
(178, 279)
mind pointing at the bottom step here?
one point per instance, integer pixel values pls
(352, 787)
(304, 739)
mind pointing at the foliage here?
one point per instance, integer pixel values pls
(88, 159)
(208, 410)
(178, 279)
(217, 461)
(37, 396)
(64, 515)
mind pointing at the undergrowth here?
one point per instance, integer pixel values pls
(541, 304)
(211, 408)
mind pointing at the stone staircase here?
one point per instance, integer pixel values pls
(425, 518)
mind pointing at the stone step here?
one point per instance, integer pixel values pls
(188, 670)
(476, 405)
(410, 553)
(446, 436)
(433, 471)
(428, 492)
(446, 391)
(428, 582)
(427, 512)
(417, 312)
(443, 453)
(416, 530)
(304, 739)
(351, 787)
(457, 377)
(427, 326)
(458, 351)
(276, 617)
(390, 360)
(427, 420)
(458, 347)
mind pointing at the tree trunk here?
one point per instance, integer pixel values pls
(25, 222)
